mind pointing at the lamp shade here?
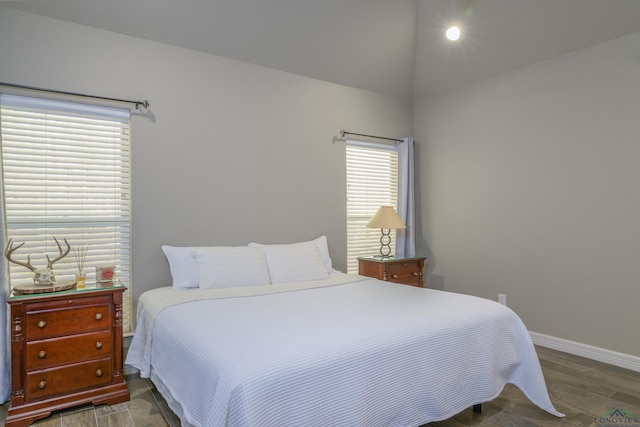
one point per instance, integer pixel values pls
(386, 217)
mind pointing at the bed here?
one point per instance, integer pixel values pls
(340, 350)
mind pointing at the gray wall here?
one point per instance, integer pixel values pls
(529, 187)
(229, 152)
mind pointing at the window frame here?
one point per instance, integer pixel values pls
(77, 147)
(370, 184)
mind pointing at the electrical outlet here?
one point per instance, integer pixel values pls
(502, 299)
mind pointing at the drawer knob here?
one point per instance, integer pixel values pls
(42, 324)
(42, 385)
(395, 276)
(415, 273)
(99, 345)
(42, 354)
(98, 316)
(99, 373)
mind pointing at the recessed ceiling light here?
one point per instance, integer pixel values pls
(453, 33)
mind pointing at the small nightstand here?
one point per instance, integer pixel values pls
(66, 350)
(407, 271)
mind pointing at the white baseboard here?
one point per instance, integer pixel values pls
(622, 360)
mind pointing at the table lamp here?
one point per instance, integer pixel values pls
(385, 219)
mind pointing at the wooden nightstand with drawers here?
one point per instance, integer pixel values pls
(407, 271)
(66, 350)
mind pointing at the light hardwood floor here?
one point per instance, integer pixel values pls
(583, 389)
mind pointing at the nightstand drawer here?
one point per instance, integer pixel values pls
(48, 321)
(56, 351)
(68, 378)
(407, 273)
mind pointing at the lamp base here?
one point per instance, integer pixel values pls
(385, 240)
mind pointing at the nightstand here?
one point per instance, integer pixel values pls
(407, 271)
(66, 350)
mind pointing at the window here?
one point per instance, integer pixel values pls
(372, 181)
(66, 174)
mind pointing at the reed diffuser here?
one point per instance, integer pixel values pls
(80, 256)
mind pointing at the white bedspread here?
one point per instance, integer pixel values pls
(347, 351)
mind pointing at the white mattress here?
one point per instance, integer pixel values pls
(347, 351)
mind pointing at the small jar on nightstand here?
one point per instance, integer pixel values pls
(406, 271)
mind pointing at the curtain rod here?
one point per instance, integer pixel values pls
(144, 103)
(344, 132)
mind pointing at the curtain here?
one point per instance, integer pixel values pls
(5, 348)
(406, 239)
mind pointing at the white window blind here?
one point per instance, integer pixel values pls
(372, 181)
(66, 173)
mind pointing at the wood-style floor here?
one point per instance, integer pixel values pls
(583, 389)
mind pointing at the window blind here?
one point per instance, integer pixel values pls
(66, 173)
(372, 181)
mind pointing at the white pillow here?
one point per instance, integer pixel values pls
(294, 262)
(182, 266)
(229, 266)
(323, 250)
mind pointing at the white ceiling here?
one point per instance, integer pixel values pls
(393, 47)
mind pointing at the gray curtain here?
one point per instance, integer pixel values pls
(406, 239)
(5, 348)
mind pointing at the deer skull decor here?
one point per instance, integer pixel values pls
(41, 276)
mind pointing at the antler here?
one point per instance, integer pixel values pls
(10, 249)
(62, 255)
